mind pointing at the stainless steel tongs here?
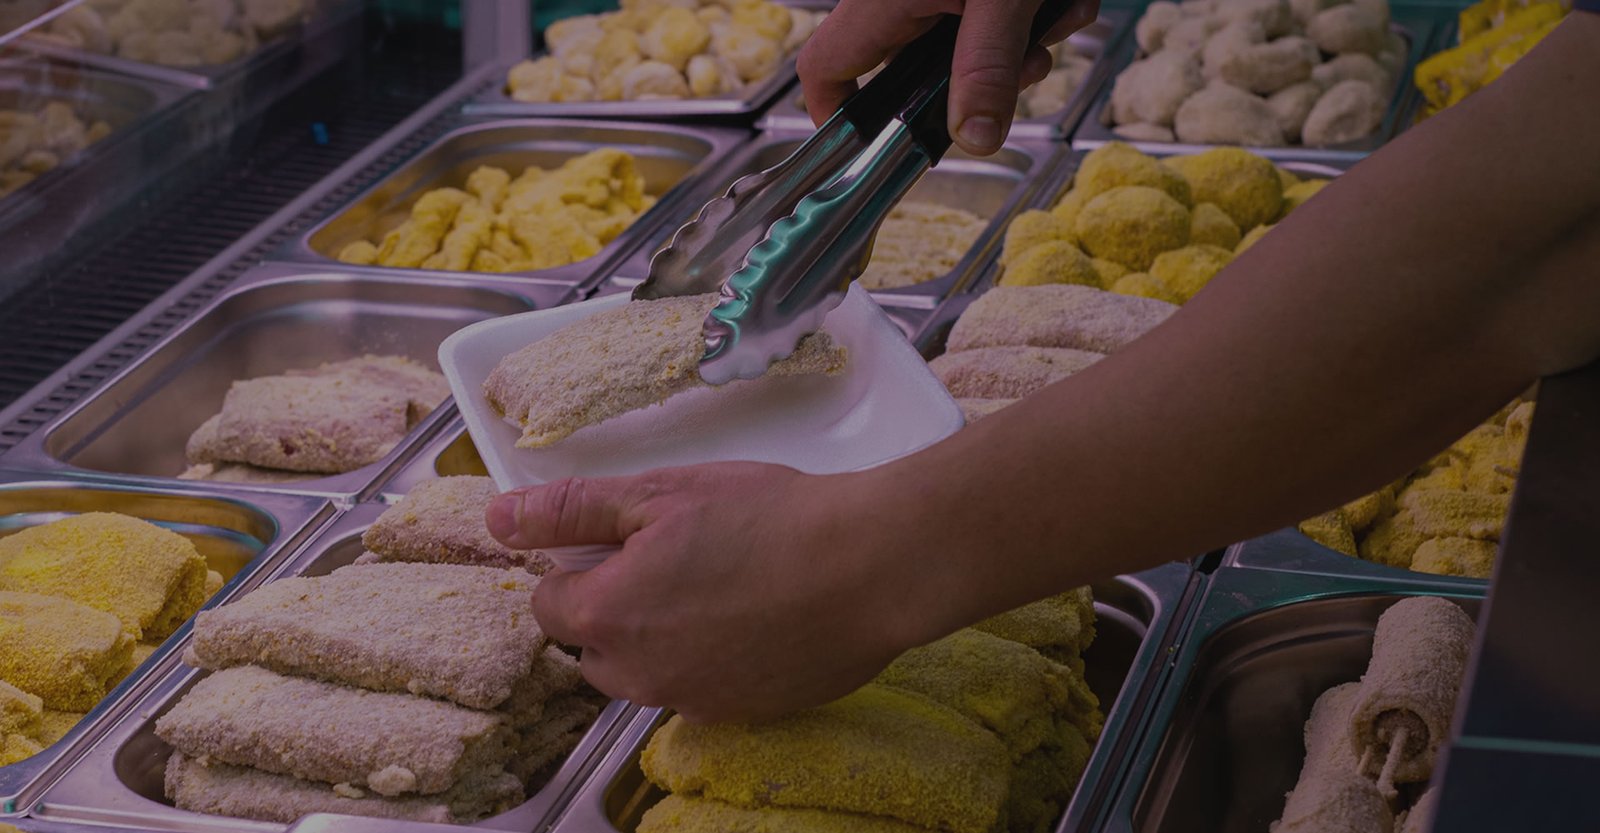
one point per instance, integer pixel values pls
(782, 245)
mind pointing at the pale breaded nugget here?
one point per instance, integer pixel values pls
(393, 743)
(618, 361)
(443, 630)
(1007, 372)
(66, 654)
(424, 389)
(151, 579)
(1057, 315)
(323, 424)
(878, 751)
(241, 792)
(441, 521)
(681, 814)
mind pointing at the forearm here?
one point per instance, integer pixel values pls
(1382, 320)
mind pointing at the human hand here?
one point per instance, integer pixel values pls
(743, 590)
(993, 60)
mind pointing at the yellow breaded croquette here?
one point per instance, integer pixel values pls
(1030, 229)
(1057, 261)
(1250, 238)
(1109, 271)
(1145, 285)
(878, 751)
(1187, 270)
(1239, 182)
(151, 579)
(682, 814)
(1132, 225)
(65, 653)
(1447, 513)
(1069, 206)
(1211, 225)
(1116, 164)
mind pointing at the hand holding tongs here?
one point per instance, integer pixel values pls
(783, 245)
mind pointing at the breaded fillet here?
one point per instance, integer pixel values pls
(618, 361)
(462, 633)
(564, 722)
(680, 814)
(1057, 315)
(394, 743)
(441, 521)
(878, 751)
(554, 675)
(424, 389)
(322, 424)
(65, 653)
(1007, 372)
(241, 792)
(1060, 627)
(20, 712)
(151, 579)
(55, 725)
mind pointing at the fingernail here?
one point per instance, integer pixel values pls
(504, 515)
(980, 132)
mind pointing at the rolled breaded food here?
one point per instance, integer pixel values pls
(1419, 654)
(617, 361)
(66, 654)
(441, 521)
(1060, 627)
(466, 634)
(683, 814)
(223, 790)
(321, 424)
(879, 751)
(151, 579)
(1057, 315)
(394, 744)
(1335, 802)
(423, 388)
(1007, 372)
(1327, 731)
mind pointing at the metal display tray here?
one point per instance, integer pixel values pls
(1136, 617)
(1415, 25)
(671, 159)
(239, 535)
(119, 782)
(993, 187)
(1225, 737)
(1093, 42)
(1290, 551)
(275, 318)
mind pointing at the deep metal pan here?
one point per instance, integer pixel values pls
(671, 158)
(1415, 25)
(239, 535)
(1135, 617)
(135, 425)
(1224, 743)
(119, 782)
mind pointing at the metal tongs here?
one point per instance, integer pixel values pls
(782, 245)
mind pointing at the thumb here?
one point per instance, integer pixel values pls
(565, 513)
(987, 71)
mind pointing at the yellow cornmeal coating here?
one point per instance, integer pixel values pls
(1451, 514)
(681, 814)
(1250, 238)
(1287, 178)
(1331, 530)
(1055, 261)
(877, 751)
(1296, 196)
(151, 579)
(1244, 185)
(1030, 229)
(1109, 271)
(1393, 541)
(1117, 164)
(1069, 206)
(1362, 512)
(55, 725)
(441, 522)
(1042, 783)
(67, 654)
(20, 711)
(1145, 285)
(16, 748)
(1455, 557)
(1131, 225)
(1211, 225)
(1064, 621)
(1189, 269)
(918, 242)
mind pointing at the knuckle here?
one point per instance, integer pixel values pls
(990, 68)
(563, 506)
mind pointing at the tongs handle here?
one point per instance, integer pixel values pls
(915, 86)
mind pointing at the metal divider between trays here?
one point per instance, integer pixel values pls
(296, 519)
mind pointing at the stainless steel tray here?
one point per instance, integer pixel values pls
(448, 454)
(1093, 41)
(1415, 25)
(135, 425)
(119, 782)
(1136, 617)
(671, 159)
(238, 534)
(1224, 744)
(1288, 550)
(992, 187)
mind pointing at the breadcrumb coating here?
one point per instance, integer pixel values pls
(1455, 557)
(1059, 315)
(920, 241)
(1131, 225)
(1055, 261)
(1116, 164)
(682, 814)
(441, 522)
(617, 361)
(973, 409)
(1145, 285)
(1244, 185)
(1032, 228)
(20, 712)
(1210, 225)
(151, 579)
(1419, 655)
(65, 653)
(1007, 372)
(1187, 270)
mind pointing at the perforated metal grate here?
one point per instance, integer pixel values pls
(304, 139)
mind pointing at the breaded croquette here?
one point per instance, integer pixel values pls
(392, 743)
(1242, 184)
(65, 653)
(1117, 164)
(151, 579)
(1054, 261)
(1079, 317)
(441, 630)
(617, 361)
(1007, 372)
(973, 410)
(441, 521)
(241, 792)
(680, 814)
(1131, 225)
(878, 751)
